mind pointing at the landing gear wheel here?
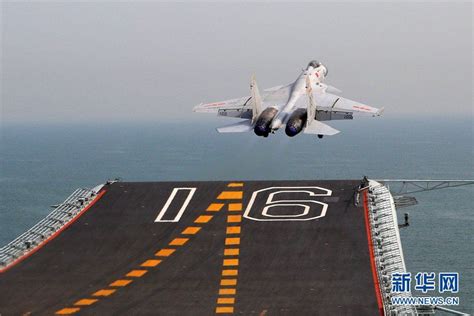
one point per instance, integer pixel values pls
(320, 136)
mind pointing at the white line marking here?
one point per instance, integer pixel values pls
(305, 212)
(181, 210)
(270, 202)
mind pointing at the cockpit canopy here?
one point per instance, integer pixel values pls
(316, 64)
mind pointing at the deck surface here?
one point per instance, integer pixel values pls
(284, 257)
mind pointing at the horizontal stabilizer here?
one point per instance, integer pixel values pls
(240, 127)
(319, 128)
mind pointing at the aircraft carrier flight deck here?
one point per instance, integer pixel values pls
(207, 248)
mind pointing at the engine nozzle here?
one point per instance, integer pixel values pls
(262, 126)
(296, 122)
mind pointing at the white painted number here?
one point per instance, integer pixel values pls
(297, 204)
(188, 198)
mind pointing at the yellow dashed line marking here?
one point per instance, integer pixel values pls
(121, 283)
(227, 291)
(225, 300)
(232, 241)
(227, 262)
(225, 282)
(233, 230)
(86, 302)
(191, 230)
(178, 241)
(230, 272)
(230, 195)
(235, 185)
(215, 207)
(234, 219)
(224, 310)
(203, 219)
(231, 252)
(136, 273)
(68, 311)
(151, 263)
(106, 292)
(231, 262)
(235, 207)
(165, 252)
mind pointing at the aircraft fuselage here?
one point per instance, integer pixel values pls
(298, 89)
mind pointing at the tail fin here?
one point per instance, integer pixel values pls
(256, 99)
(311, 111)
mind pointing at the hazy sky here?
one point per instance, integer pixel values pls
(96, 61)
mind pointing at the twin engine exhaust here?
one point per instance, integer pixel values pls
(262, 125)
(294, 126)
(296, 122)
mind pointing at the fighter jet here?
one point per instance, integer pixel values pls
(298, 107)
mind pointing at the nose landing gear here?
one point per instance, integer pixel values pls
(320, 136)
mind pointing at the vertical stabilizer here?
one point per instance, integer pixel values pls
(311, 111)
(256, 99)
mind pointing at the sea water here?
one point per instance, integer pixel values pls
(42, 164)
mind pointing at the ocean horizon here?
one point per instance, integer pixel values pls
(41, 164)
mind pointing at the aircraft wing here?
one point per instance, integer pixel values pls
(242, 107)
(239, 108)
(214, 107)
(332, 102)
